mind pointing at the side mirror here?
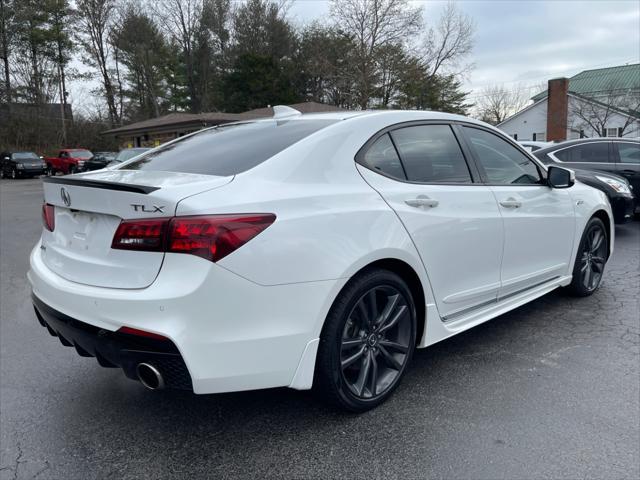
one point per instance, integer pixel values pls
(7, 158)
(558, 177)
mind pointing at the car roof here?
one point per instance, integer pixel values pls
(583, 141)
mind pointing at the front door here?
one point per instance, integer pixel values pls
(539, 222)
(455, 224)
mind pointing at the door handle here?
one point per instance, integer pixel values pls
(511, 203)
(422, 201)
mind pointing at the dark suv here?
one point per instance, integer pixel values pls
(606, 160)
(21, 164)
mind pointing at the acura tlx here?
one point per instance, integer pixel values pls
(308, 251)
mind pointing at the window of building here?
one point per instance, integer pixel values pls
(612, 132)
(503, 163)
(539, 137)
(431, 154)
(515, 136)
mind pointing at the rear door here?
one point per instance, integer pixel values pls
(88, 210)
(421, 172)
(538, 220)
(627, 158)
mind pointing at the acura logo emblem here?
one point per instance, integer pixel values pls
(66, 198)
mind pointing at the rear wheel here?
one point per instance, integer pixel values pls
(590, 259)
(50, 172)
(1, 172)
(367, 341)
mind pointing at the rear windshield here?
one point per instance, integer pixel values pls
(228, 149)
(81, 154)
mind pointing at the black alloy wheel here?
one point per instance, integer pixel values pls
(367, 341)
(590, 259)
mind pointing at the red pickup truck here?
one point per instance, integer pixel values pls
(69, 160)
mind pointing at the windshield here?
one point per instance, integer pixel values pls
(81, 154)
(130, 153)
(25, 156)
(228, 149)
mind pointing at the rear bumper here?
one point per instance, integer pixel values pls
(114, 349)
(231, 333)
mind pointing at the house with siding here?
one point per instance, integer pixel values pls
(604, 102)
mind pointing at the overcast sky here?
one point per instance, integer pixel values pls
(527, 42)
(518, 42)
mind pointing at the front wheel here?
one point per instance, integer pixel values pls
(14, 173)
(367, 341)
(72, 170)
(49, 172)
(591, 258)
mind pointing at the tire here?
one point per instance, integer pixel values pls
(14, 174)
(1, 172)
(50, 172)
(591, 259)
(72, 169)
(360, 362)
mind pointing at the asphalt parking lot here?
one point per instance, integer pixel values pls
(551, 390)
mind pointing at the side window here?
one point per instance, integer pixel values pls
(587, 153)
(382, 157)
(503, 163)
(629, 152)
(63, 154)
(431, 154)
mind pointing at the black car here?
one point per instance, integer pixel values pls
(608, 164)
(21, 164)
(100, 160)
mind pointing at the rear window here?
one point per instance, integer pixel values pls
(228, 149)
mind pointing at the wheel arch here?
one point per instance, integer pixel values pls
(609, 225)
(415, 284)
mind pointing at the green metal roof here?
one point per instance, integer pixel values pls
(624, 77)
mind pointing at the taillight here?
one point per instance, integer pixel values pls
(146, 235)
(49, 216)
(212, 237)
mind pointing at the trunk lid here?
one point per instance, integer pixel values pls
(88, 210)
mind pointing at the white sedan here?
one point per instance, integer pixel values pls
(308, 251)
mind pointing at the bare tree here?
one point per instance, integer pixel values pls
(448, 43)
(181, 18)
(95, 18)
(597, 112)
(497, 102)
(6, 32)
(373, 25)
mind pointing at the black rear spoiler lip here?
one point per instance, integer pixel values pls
(121, 187)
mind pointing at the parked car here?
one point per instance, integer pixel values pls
(532, 146)
(308, 250)
(619, 156)
(127, 154)
(601, 162)
(99, 160)
(69, 160)
(21, 164)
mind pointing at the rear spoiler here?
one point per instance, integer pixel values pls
(121, 187)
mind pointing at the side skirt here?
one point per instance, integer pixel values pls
(437, 330)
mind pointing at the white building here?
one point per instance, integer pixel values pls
(593, 103)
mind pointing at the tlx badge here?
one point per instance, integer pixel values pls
(145, 209)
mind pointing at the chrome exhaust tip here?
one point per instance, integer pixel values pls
(149, 376)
